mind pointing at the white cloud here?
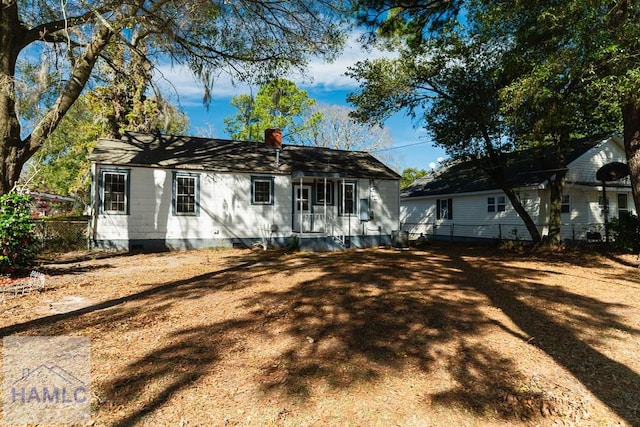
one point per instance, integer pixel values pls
(332, 75)
(179, 80)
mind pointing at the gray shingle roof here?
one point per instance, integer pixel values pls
(219, 155)
(524, 168)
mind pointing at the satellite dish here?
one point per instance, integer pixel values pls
(612, 171)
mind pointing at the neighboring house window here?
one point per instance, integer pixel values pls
(565, 207)
(115, 191)
(324, 193)
(186, 193)
(623, 207)
(261, 190)
(444, 209)
(496, 204)
(347, 198)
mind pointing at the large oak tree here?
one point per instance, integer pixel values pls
(585, 48)
(65, 41)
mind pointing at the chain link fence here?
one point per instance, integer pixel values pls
(62, 234)
(577, 232)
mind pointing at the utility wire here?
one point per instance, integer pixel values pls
(401, 146)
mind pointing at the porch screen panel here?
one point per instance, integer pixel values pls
(324, 193)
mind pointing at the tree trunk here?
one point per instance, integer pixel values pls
(631, 120)
(496, 173)
(524, 215)
(14, 151)
(556, 186)
(10, 143)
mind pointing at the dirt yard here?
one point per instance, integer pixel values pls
(449, 335)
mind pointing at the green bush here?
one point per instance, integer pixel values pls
(626, 232)
(18, 244)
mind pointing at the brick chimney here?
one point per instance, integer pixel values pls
(273, 138)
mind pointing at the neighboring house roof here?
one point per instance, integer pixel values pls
(218, 155)
(50, 197)
(525, 168)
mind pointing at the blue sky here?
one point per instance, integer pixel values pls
(327, 85)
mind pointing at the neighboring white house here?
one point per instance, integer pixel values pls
(459, 201)
(154, 192)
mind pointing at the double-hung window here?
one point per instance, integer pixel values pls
(261, 190)
(623, 206)
(347, 198)
(444, 209)
(114, 191)
(496, 204)
(565, 206)
(186, 193)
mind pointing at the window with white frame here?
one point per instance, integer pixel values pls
(347, 198)
(444, 209)
(565, 206)
(114, 185)
(261, 190)
(496, 204)
(185, 193)
(623, 204)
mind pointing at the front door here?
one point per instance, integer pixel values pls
(302, 217)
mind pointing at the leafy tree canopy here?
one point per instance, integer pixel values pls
(278, 104)
(64, 45)
(61, 166)
(409, 175)
(512, 75)
(281, 104)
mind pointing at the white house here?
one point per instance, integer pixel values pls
(458, 201)
(154, 192)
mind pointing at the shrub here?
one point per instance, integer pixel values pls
(18, 244)
(626, 232)
(293, 244)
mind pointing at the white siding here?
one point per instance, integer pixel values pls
(232, 214)
(226, 210)
(585, 191)
(583, 169)
(384, 204)
(471, 218)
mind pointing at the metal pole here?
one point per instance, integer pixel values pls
(606, 212)
(324, 226)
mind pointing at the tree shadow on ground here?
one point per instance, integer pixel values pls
(566, 326)
(179, 365)
(76, 268)
(150, 302)
(397, 309)
(363, 314)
